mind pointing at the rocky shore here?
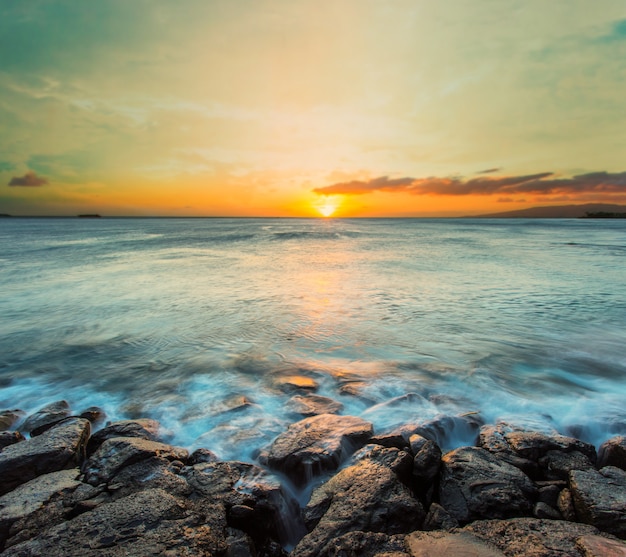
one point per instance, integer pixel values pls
(329, 485)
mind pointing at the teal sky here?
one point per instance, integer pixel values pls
(255, 107)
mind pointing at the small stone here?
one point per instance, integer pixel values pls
(549, 495)
(8, 418)
(292, 383)
(10, 438)
(439, 519)
(202, 455)
(565, 504)
(94, 414)
(313, 405)
(48, 415)
(543, 510)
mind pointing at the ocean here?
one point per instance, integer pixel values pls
(197, 322)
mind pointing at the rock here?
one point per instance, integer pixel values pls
(390, 439)
(291, 383)
(94, 414)
(426, 466)
(49, 414)
(613, 453)
(32, 496)
(475, 484)
(8, 418)
(597, 546)
(356, 389)
(364, 544)
(10, 438)
(448, 544)
(367, 496)
(262, 508)
(150, 522)
(317, 444)
(313, 405)
(140, 428)
(202, 455)
(543, 510)
(119, 452)
(439, 519)
(600, 498)
(398, 461)
(61, 447)
(533, 444)
(549, 495)
(565, 504)
(532, 537)
(558, 464)
(447, 431)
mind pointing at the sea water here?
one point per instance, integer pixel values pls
(195, 322)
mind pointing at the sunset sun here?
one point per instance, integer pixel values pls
(327, 206)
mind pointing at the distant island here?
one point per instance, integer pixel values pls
(92, 216)
(589, 211)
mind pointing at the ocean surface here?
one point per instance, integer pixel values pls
(197, 322)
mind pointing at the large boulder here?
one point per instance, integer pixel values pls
(613, 453)
(33, 496)
(531, 537)
(317, 444)
(60, 447)
(49, 414)
(119, 452)
(151, 522)
(143, 428)
(474, 484)
(367, 496)
(600, 498)
(533, 444)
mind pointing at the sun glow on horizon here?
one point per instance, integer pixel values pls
(328, 206)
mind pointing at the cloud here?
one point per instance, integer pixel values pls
(30, 179)
(542, 183)
(488, 171)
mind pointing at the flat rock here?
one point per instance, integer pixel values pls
(558, 464)
(533, 444)
(532, 537)
(49, 414)
(33, 496)
(448, 544)
(474, 484)
(291, 383)
(119, 452)
(150, 522)
(600, 498)
(313, 405)
(597, 546)
(367, 496)
(613, 453)
(141, 428)
(317, 444)
(364, 544)
(60, 447)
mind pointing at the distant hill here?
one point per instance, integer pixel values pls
(557, 211)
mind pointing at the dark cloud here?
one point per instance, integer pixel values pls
(30, 179)
(542, 183)
(488, 171)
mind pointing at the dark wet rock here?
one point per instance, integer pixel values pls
(439, 519)
(313, 405)
(613, 453)
(447, 430)
(448, 544)
(119, 452)
(202, 455)
(150, 522)
(10, 438)
(474, 484)
(48, 415)
(364, 544)
(549, 494)
(426, 466)
(9, 418)
(25, 500)
(262, 508)
(239, 544)
(140, 428)
(558, 464)
(533, 444)
(543, 510)
(94, 414)
(61, 447)
(533, 537)
(367, 496)
(600, 498)
(317, 444)
(356, 389)
(292, 383)
(565, 505)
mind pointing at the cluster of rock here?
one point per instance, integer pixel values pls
(123, 491)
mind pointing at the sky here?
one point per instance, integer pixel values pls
(354, 108)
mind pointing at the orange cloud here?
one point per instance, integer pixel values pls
(542, 183)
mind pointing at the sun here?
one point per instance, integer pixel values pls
(327, 206)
